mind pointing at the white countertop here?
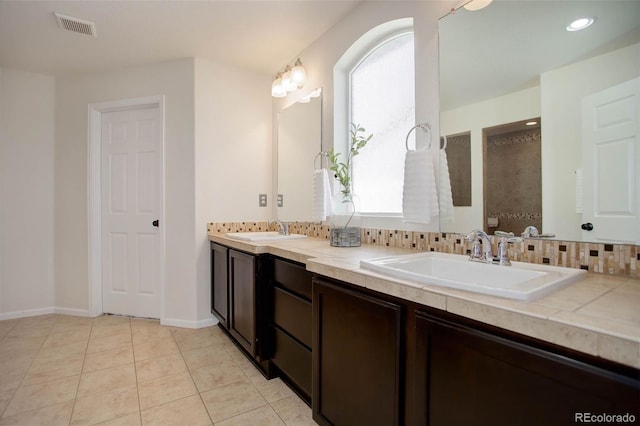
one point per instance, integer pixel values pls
(598, 315)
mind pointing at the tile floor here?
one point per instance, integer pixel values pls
(65, 370)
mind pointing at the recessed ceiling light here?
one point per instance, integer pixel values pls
(530, 123)
(580, 24)
(474, 5)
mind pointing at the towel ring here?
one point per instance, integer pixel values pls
(424, 126)
(322, 155)
(444, 146)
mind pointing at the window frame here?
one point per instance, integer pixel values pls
(377, 217)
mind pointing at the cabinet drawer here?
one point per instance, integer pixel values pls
(293, 277)
(293, 314)
(294, 360)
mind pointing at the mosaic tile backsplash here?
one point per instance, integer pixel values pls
(611, 259)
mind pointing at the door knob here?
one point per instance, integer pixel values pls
(587, 226)
(156, 223)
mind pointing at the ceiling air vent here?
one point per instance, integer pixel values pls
(76, 25)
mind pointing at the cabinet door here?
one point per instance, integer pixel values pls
(242, 301)
(466, 376)
(219, 284)
(357, 342)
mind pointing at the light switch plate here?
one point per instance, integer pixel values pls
(280, 200)
(262, 200)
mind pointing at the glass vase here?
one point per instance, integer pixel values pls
(345, 221)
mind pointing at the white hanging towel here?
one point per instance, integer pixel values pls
(321, 202)
(444, 190)
(419, 196)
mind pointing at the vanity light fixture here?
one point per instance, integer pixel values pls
(474, 5)
(277, 89)
(298, 74)
(289, 80)
(580, 24)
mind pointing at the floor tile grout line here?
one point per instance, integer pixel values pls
(75, 397)
(239, 359)
(25, 373)
(192, 379)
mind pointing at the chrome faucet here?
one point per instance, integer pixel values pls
(481, 253)
(282, 226)
(530, 231)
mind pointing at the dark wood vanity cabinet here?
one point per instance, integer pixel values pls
(292, 324)
(220, 283)
(362, 357)
(462, 375)
(240, 299)
(357, 357)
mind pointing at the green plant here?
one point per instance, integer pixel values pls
(342, 170)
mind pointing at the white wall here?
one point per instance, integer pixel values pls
(473, 118)
(232, 156)
(175, 80)
(26, 193)
(562, 91)
(321, 56)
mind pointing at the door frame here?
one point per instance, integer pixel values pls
(94, 197)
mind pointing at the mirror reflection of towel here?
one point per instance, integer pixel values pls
(419, 196)
(321, 200)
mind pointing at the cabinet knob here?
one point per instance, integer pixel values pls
(156, 223)
(587, 226)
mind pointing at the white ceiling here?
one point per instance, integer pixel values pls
(262, 36)
(506, 46)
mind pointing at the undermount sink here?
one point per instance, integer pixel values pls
(521, 281)
(263, 236)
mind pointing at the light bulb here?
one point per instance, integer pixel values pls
(277, 91)
(580, 24)
(298, 74)
(287, 83)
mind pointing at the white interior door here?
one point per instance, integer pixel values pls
(131, 157)
(610, 162)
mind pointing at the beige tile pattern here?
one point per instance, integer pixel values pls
(110, 370)
(610, 259)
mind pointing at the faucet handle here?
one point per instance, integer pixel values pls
(503, 249)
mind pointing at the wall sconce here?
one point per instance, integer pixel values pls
(289, 80)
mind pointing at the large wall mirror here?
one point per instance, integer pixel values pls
(514, 62)
(299, 141)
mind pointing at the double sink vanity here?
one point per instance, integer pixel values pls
(386, 336)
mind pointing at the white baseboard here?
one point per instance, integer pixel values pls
(27, 313)
(189, 324)
(208, 322)
(44, 311)
(74, 312)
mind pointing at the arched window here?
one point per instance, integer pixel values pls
(381, 89)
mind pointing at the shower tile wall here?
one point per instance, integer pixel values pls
(459, 160)
(513, 186)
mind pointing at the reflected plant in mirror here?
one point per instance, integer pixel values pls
(526, 64)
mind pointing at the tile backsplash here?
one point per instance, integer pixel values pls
(611, 259)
